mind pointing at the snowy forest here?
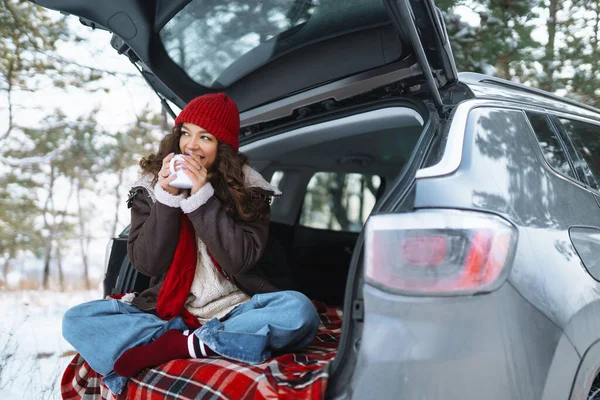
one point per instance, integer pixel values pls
(73, 128)
(53, 164)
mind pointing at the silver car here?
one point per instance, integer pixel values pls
(453, 217)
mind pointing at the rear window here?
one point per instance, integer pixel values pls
(586, 140)
(339, 201)
(550, 144)
(218, 42)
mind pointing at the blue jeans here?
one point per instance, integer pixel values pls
(102, 330)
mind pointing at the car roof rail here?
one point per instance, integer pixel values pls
(472, 77)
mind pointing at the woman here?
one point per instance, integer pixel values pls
(200, 248)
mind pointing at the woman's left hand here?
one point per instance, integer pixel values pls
(195, 169)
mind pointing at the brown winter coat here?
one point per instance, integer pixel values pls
(236, 245)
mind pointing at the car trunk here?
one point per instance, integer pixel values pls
(325, 264)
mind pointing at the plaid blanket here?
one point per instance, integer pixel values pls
(300, 375)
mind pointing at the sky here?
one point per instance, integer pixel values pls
(126, 96)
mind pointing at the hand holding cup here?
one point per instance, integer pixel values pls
(193, 167)
(165, 176)
(182, 180)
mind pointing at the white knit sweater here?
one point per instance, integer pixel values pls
(211, 294)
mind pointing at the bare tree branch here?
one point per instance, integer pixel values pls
(98, 70)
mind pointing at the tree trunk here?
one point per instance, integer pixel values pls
(503, 67)
(548, 64)
(5, 270)
(47, 259)
(83, 239)
(61, 278)
(339, 208)
(362, 199)
(164, 120)
(9, 90)
(117, 202)
(51, 229)
(331, 219)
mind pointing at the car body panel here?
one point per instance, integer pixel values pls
(501, 170)
(586, 241)
(465, 347)
(512, 179)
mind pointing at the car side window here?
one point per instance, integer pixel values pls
(550, 144)
(586, 140)
(339, 201)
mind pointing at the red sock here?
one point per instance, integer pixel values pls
(199, 348)
(172, 345)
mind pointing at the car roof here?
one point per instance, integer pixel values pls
(488, 87)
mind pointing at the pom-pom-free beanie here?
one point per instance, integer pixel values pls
(216, 113)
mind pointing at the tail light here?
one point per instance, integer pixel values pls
(438, 251)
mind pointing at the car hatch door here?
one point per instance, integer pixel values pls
(260, 53)
(420, 22)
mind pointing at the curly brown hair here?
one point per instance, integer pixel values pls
(226, 176)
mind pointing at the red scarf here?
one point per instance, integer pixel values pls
(178, 282)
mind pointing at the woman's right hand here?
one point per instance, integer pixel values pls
(165, 177)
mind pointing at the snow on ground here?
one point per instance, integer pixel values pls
(33, 353)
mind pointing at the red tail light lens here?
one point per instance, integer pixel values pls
(425, 251)
(438, 251)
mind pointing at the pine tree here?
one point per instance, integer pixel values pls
(581, 52)
(59, 155)
(39, 159)
(501, 43)
(551, 63)
(28, 38)
(124, 150)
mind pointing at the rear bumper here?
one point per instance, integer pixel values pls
(493, 346)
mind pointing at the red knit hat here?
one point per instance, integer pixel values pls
(216, 113)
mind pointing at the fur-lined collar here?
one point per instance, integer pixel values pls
(252, 179)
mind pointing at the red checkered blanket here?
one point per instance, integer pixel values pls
(300, 375)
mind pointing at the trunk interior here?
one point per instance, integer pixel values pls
(332, 173)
